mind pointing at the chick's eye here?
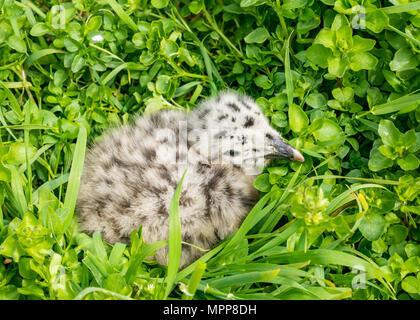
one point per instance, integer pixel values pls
(232, 153)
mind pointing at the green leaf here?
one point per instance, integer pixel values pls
(319, 55)
(388, 151)
(326, 38)
(362, 44)
(40, 29)
(316, 100)
(78, 63)
(377, 161)
(372, 226)
(17, 44)
(17, 153)
(404, 59)
(262, 183)
(243, 278)
(329, 130)
(411, 284)
(294, 4)
(195, 6)
(162, 84)
(9, 292)
(409, 162)
(259, 35)
(389, 134)
(139, 40)
(343, 38)
(160, 4)
(249, 3)
(337, 66)
(344, 95)
(263, 81)
(376, 20)
(94, 23)
(396, 234)
(363, 60)
(298, 120)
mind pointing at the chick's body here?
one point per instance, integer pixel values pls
(131, 174)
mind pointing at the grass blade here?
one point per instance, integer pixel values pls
(86, 291)
(17, 190)
(121, 13)
(256, 214)
(288, 72)
(325, 257)
(244, 278)
(400, 8)
(190, 290)
(13, 102)
(174, 238)
(27, 110)
(346, 196)
(135, 261)
(116, 254)
(74, 178)
(40, 54)
(396, 105)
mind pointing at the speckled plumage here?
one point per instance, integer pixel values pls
(131, 173)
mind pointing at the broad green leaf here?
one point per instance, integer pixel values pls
(319, 55)
(160, 4)
(376, 20)
(411, 284)
(337, 66)
(329, 130)
(263, 81)
(262, 183)
(396, 234)
(316, 100)
(409, 162)
(404, 59)
(389, 134)
(259, 35)
(17, 44)
(17, 153)
(326, 38)
(344, 95)
(363, 60)
(377, 161)
(362, 44)
(372, 226)
(298, 120)
(40, 29)
(343, 38)
(249, 3)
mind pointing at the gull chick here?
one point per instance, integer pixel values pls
(131, 173)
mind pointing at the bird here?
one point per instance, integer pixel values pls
(131, 172)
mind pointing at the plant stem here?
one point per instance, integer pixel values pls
(221, 34)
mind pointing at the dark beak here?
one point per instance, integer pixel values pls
(286, 151)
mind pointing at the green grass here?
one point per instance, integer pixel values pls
(341, 225)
